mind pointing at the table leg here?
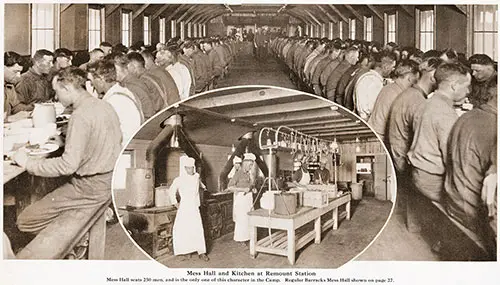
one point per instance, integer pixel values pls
(348, 210)
(253, 241)
(335, 217)
(317, 229)
(291, 246)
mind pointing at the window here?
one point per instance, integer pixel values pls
(183, 29)
(147, 30)
(390, 28)
(486, 30)
(330, 30)
(173, 29)
(126, 30)
(120, 173)
(368, 23)
(43, 24)
(352, 29)
(341, 30)
(163, 30)
(95, 34)
(426, 29)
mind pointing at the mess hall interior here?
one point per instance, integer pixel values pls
(316, 48)
(327, 215)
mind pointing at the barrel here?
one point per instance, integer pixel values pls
(357, 191)
(140, 187)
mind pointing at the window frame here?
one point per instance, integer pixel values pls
(387, 30)
(129, 30)
(162, 30)
(102, 12)
(55, 29)
(367, 32)
(146, 35)
(483, 32)
(352, 28)
(173, 29)
(418, 28)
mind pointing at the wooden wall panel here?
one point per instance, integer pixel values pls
(137, 29)
(406, 28)
(451, 27)
(347, 171)
(74, 23)
(113, 27)
(378, 29)
(17, 28)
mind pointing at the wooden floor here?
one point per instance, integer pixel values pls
(246, 70)
(336, 248)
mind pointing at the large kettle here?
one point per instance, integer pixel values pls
(43, 114)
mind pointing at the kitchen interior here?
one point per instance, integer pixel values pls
(218, 126)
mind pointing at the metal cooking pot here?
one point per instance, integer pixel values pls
(140, 187)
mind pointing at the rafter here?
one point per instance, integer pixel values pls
(205, 13)
(110, 9)
(186, 12)
(64, 7)
(139, 11)
(333, 19)
(160, 11)
(172, 15)
(354, 12)
(376, 12)
(409, 11)
(298, 16)
(201, 10)
(337, 11)
(312, 17)
(216, 15)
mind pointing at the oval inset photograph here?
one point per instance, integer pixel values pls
(254, 177)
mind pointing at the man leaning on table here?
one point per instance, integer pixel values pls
(92, 145)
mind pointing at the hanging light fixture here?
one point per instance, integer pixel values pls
(358, 149)
(174, 141)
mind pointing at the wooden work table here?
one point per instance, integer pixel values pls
(290, 238)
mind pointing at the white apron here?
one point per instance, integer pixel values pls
(242, 204)
(306, 178)
(188, 234)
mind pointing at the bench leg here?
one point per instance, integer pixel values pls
(291, 246)
(335, 218)
(97, 239)
(317, 230)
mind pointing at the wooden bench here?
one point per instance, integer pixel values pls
(59, 238)
(470, 234)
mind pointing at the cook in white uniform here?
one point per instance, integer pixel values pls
(242, 183)
(188, 234)
(301, 174)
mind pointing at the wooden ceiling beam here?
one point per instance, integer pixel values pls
(354, 12)
(335, 130)
(375, 11)
(215, 16)
(319, 123)
(462, 9)
(64, 7)
(190, 9)
(355, 132)
(332, 18)
(160, 11)
(206, 18)
(199, 11)
(172, 15)
(409, 11)
(203, 14)
(312, 16)
(329, 126)
(110, 9)
(312, 104)
(337, 11)
(279, 119)
(139, 11)
(259, 95)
